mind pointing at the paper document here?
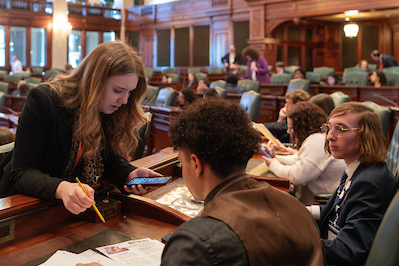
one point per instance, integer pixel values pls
(142, 252)
(66, 258)
(265, 132)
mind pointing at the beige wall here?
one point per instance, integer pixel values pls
(60, 38)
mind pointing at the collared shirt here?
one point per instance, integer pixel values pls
(232, 58)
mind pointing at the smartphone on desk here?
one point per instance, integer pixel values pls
(152, 181)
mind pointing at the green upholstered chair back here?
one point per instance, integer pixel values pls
(150, 95)
(166, 97)
(392, 76)
(22, 74)
(392, 68)
(249, 84)
(194, 70)
(242, 69)
(215, 70)
(324, 71)
(51, 73)
(250, 101)
(174, 76)
(221, 92)
(149, 72)
(37, 70)
(393, 153)
(354, 68)
(339, 97)
(298, 84)
(142, 137)
(384, 250)
(270, 67)
(169, 70)
(313, 77)
(359, 78)
(283, 78)
(220, 83)
(33, 80)
(372, 67)
(201, 75)
(4, 86)
(13, 78)
(2, 100)
(383, 115)
(291, 68)
(32, 85)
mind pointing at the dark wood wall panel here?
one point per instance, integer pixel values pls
(201, 46)
(163, 43)
(182, 47)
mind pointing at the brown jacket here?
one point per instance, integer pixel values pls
(274, 227)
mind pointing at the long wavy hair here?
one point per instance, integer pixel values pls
(370, 138)
(307, 119)
(82, 93)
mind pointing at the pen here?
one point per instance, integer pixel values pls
(94, 206)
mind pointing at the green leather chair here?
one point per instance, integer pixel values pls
(13, 78)
(392, 68)
(220, 83)
(166, 97)
(2, 100)
(249, 84)
(51, 73)
(33, 80)
(37, 70)
(4, 87)
(150, 95)
(291, 68)
(339, 97)
(149, 72)
(298, 84)
(392, 76)
(283, 78)
(358, 78)
(383, 114)
(313, 77)
(250, 101)
(372, 67)
(354, 68)
(324, 71)
(242, 69)
(393, 153)
(32, 85)
(194, 70)
(142, 136)
(384, 250)
(221, 92)
(201, 75)
(174, 76)
(169, 70)
(22, 74)
(215, 70)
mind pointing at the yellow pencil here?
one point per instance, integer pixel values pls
(94, 206)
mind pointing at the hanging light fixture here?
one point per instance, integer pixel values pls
(351, 30)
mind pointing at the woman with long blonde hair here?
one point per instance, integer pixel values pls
(81, 125)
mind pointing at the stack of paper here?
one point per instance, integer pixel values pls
(265, 132)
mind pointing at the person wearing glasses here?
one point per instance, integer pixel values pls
(351, 217)
(310, 168)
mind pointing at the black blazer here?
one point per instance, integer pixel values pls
(388, 60)
(238, 60)
(360, 215)
(42, 148)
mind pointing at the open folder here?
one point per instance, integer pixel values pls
(265, 132)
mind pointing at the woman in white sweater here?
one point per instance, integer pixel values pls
(310, 167)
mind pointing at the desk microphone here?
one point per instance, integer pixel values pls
(384, 98)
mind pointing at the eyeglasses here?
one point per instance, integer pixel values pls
(337, 130)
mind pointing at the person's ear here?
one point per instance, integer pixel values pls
(197, 164)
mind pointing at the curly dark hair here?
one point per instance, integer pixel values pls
(307, 119)
(219, 132)
(189, 95)
(251, 52)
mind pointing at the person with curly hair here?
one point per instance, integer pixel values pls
(186, 96)
(80, 125)
(215, 139)
(310, 167)
(257, 66)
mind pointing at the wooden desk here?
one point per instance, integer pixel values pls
(16, 103)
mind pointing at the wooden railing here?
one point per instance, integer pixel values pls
(94, 11)
(26, 5)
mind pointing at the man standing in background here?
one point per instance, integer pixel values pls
(16, 66)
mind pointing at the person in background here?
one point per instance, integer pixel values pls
(231, 84)
(186, 96)
(324, 101)
(244, 222)
(23, 90)
(232, 60)
(384, 60)
(68, 69)
(203, 84)
(192, 80)
(280, 68)
(333, 79)
(309, 168)
(352, 215)
(82, 125)
(378, 79)
(299, 74)
(257, 66)
(16, 66)
(166, 80)
(279, 128)
(363, 64)
(6, 136)
(210, 93)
